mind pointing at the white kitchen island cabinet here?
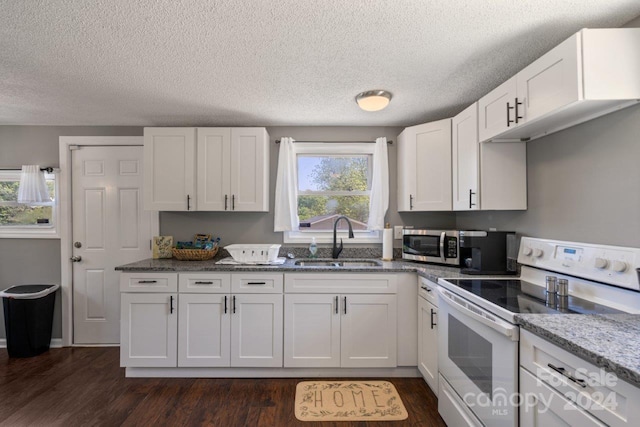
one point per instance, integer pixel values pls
(206, 169)
(592, 73)
(486, 176)
(424, 167)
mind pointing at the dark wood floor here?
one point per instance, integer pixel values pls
(86, 387)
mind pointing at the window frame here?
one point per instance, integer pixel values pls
(332, 149)
(48, 231)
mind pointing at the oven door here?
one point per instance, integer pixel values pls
(478, 356)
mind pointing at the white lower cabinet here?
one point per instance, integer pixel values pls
(544, 407)
(349, 331)
(204, 333)
(428, 343)
(148, 330)
(256, 330)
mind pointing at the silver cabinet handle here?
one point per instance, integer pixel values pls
(562, 371)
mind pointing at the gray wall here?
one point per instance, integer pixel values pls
(250, 227)
(38, 260)
(583, 185)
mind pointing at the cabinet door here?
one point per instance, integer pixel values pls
(311, 331)
(406, 170)
(432, 160)
(428, 343)
(148, 330)
(543, 407)
(214, 169)
(494, 117)
(169, 169)
(551, 82)
(368, 331)
(465, 152)
(249, 169)
(256, 330)
(204, 330)
(503, 175)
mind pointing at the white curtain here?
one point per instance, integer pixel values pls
(286, 209)
(33, 188)
(379, 202)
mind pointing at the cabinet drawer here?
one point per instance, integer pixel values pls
(256, 283)
(342, 283)
(148, 282)
(204, 283)
(600, 392)
(428, 290)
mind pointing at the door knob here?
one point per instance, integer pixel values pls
(76, 258)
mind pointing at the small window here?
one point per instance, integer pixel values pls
(19, 220)
(333, 180)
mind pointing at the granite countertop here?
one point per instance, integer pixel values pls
(431, 272)
(609, 341)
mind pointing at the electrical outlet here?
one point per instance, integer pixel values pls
(397, 232)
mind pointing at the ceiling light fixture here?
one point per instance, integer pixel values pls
(373, 100)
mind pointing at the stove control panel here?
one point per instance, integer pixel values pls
(614, 265)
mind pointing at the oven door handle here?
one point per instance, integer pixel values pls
(506, 329)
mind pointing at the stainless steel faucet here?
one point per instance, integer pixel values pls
(336, 250)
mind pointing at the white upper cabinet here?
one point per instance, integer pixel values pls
(465, 152)
(592, 73)
(231, 172)
(424, 167)
(214, 169)
(486, 176)
(169, 169)
(249, 169)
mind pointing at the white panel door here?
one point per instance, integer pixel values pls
(204, 329)
(249, 169)
(496, 110)
(428, 343)
(256, 330)
(552, 81)
(149, 330)
(170, 168)
(433, 167)
(110, 228)
(311, 331)
(368, 331)
(465, 152)
(214, 169)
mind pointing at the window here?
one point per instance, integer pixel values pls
(333, 180)
(18, 220)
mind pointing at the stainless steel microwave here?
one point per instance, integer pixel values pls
(434, 246)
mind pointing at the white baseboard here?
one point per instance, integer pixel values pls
(55, 343)
(406, 372)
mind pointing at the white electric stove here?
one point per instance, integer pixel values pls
(478, 335)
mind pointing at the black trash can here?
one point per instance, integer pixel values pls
(28, 318)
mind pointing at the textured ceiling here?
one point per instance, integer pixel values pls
(277, 62)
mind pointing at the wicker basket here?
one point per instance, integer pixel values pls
(194, 254)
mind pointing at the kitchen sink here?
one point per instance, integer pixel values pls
(337, 263)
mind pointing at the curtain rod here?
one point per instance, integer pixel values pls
(48, 169)
(336, 142)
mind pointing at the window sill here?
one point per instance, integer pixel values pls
(301, 237)
(29, 234)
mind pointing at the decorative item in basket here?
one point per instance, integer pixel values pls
(251, 253)
(202, 248)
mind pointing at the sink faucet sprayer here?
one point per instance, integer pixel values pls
(336, 250)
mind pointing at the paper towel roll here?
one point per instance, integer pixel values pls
(387, 244)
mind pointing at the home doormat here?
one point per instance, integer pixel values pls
(348, 401)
